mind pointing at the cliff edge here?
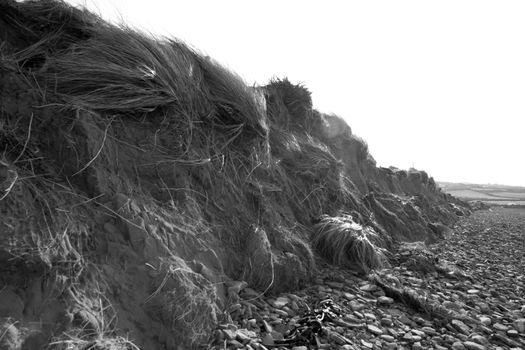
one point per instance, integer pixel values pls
(138, 177)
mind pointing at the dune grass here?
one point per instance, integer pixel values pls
(114, 69)
(123, 112)
(344, 242)
(290, 105)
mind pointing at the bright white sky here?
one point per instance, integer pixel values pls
(439, 85)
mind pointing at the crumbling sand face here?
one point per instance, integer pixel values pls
(132, 191)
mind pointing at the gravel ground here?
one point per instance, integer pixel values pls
(465, 292)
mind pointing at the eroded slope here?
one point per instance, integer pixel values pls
(137, 176)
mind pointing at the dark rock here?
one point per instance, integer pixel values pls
(473, 346)
(460, 326)
(506, 340)
(519, 324)
(374, 329)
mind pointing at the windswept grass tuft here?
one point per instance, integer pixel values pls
(122, 70)
(295, 99)
(98, 66)
(344, 242)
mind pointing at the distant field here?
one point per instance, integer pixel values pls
(492, 194)
(471, 194)
(509, 194)
(505, 202)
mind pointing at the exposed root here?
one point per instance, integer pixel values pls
(418, 302)
(99, 150)
(26, 141)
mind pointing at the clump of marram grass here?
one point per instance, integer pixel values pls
(344, 242)
(289, 105)
(296, 97)
(98, 66)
